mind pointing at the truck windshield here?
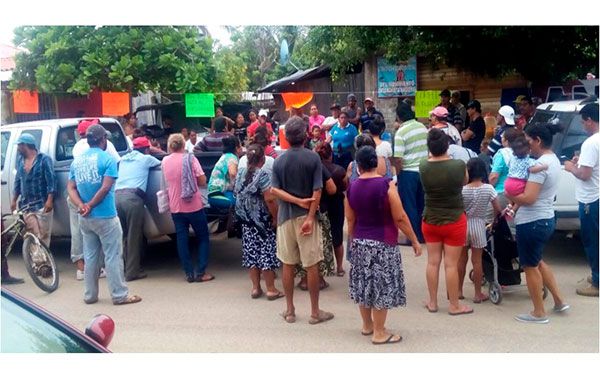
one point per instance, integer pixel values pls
(571, 134)
(68, 137)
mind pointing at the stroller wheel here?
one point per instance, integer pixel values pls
(495, 292)
(544, 292)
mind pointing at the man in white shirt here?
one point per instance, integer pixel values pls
(82, 145)
(191, 142)
(585, 169)
(333, 119)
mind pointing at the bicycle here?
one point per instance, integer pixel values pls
(39, 262)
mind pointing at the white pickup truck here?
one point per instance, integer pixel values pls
(565, 144)
(56, 138)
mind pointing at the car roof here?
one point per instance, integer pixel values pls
(58, 122)
(566, 106)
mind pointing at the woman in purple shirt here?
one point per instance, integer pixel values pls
(374, 213)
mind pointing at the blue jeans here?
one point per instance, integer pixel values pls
(223, 200)
(182, 226)
(588, 215)
(532, 238)
(412, 195)
(103, 235)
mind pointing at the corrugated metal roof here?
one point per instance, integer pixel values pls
(301, 75)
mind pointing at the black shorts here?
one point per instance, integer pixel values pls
(335, 212)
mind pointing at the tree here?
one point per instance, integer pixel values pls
(258, 47)
(539, 53)
(168, 59)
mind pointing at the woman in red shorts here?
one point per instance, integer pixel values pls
(444, 220)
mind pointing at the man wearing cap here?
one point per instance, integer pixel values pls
(526, 108)
(76, 237)
(35, 185)
(506, 119)
(439, 119)
(474, 134)
(410, 148)
(91, 189)
(333, 119)
(453, 117)
(261, 122)
(370, 112)
(585, 169)
(213, 142)
(130, 191)
(82, 145)
(353, 111)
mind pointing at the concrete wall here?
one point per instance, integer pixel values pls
(387, 106)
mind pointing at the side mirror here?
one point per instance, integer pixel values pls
(101, 329)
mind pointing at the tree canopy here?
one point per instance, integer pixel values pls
(168, 59)
(539, 53)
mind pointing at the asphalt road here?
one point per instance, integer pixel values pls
(220, 316)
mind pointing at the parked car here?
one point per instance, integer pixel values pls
(56, 138)
(28, 328)
(565, 114)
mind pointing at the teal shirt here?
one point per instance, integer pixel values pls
(219, 178)
(500, 167)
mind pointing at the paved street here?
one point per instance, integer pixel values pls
(219, 316)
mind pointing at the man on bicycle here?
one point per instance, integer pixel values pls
(35, 185)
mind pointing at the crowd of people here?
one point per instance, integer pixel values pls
(440, 185)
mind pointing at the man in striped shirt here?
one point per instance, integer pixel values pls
(410, 148)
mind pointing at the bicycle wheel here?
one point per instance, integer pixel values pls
(40, 263)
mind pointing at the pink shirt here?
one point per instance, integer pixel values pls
(316, 120)
(172, 167)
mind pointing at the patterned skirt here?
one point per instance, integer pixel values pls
(259, 250)
(327, 265)
(376, 275)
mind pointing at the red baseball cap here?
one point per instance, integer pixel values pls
(141, 142)
(84, 125)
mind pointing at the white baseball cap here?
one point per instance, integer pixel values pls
(263, 112)
(508, 113)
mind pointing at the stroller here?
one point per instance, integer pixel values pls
(500, 259)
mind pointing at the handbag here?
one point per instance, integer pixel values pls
(162, 196)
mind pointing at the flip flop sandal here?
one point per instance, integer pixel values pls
(341, 273)
(128, 300)
(480, 300)
(200, 279)
(289, 318)
(323, 285)
(429, 309)
(390, 340)
(462, 312)
(323, 316)
(256, 294)
(275, 296)
(366, 334)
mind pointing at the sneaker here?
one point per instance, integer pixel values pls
(588, 291)
(79, 275)
(528, 318)
(559, 308)
(102, 273)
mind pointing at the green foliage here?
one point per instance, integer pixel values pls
(258, 48)
(539, 53)
(167, 59)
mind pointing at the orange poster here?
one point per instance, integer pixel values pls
(115, 104)
(25, 101)
(296, 100)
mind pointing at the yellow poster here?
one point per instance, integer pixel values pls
(425, 101)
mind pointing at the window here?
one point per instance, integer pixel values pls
(68, 137)
(37, 134)
(4, 144)
(576, 135)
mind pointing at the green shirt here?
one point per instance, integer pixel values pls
(219, 178)
(410, 144)
(442, 182)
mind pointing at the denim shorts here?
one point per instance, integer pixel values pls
(532, 237)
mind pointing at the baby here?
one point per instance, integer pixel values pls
(520, 166)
